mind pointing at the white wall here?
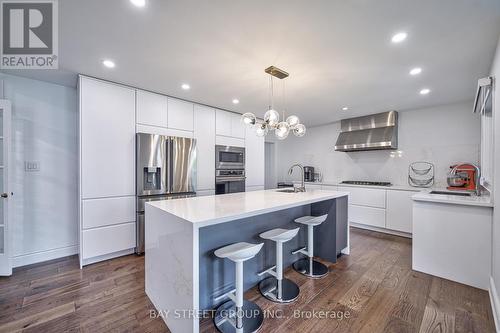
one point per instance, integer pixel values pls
(495, 71)
(442, 135)
(44, 129)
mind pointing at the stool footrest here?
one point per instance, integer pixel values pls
(230, 294)
(270, 270)
(302, 250)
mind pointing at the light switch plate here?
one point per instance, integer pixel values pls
(31, 166)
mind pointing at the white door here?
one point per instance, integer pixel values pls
(5, 194)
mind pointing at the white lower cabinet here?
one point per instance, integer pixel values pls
(367, 215)
(381, 208)
(399, 211)
(371, 197)
(107, 211)
(453, 242)
(105, 240)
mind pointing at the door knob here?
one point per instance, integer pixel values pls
(4, 195)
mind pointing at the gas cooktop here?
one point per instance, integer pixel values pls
(362, 182)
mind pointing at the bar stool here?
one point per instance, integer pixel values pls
(276, 288)
(307, 266)
(237, 314)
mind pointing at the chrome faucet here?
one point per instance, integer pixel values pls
(477, 190)
(302, 187)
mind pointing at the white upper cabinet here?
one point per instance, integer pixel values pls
(223, 123)
(229, 124)
(254, 159)
(107, 129)
(180, 114)
(204, 133)
(151, 109)
(487, 148)
(237, 127)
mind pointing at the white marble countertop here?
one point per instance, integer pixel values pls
(214, 209)
(473, 200)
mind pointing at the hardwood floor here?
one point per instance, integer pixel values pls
(372, 290)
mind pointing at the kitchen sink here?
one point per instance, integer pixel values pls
(288, 190)
(460, 194)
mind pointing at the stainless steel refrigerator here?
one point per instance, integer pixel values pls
(166, 169)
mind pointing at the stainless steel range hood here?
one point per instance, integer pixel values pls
(375, 132)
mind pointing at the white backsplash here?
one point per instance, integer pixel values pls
(442, 135)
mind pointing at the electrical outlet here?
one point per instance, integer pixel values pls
(31, 166)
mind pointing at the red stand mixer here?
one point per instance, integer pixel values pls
(463, 177)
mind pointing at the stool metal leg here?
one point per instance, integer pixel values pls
(308, 266)
(240, 316)
(279, 289)
(239, 294)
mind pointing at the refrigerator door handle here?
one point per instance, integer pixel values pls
(169, 164)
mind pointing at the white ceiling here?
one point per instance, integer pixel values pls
(338, 52)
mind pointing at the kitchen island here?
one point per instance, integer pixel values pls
(183, 276)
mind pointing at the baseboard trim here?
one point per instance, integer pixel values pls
(41, 256)
(495, 303)
(382, 230)
(93, 260)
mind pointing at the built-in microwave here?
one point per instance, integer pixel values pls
(228, 157)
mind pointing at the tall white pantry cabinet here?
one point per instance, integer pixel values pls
(107, 170)
(110, 115)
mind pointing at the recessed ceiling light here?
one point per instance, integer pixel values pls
(138, 3)
(399, 37)
(425, 91)
(236, 101)
(108, 63)
(345, 108)
(416, 71)
(185, 86)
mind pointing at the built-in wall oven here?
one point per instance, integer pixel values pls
(229, 169)
(229, 181)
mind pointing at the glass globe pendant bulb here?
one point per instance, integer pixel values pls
(282, 130)
(248, 119)
(293, 121)
(272, 117)
(261, 129)
(299, 130)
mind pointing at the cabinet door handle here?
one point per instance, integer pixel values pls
(4, 195)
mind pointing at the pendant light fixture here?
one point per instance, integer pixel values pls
(272, 117)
